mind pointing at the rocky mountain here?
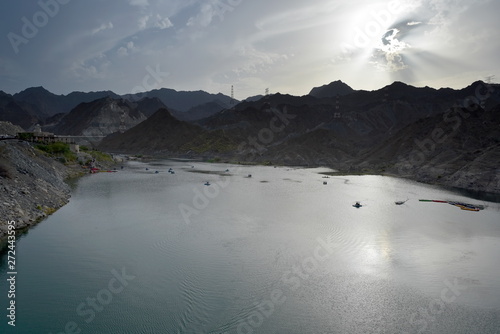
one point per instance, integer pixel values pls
(200, 111)
(50, 104)
(459, 148)
(362, 131)
(19, 113)
(99, 118)
(149, 105)
(182, 100)
(163, 134)
(333, 89)
(38, 105)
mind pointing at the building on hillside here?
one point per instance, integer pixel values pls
(38, 136)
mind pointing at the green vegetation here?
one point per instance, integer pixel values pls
(58, 150)
(84, 148)
(214, 160)
(47, 210)
(101, 156)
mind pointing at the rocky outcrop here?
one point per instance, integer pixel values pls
(99, 118)
(31, 185)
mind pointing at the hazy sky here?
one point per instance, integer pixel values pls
(288, 46)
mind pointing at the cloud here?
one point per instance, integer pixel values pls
(154, 21)
(124, 50)
(297, 19)
(102, 27)
(143, 22)
(94, 68)
(211, 9)
(163, 23)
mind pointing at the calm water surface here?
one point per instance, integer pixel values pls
(279, 252)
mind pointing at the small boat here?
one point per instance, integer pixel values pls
(463, 206)
(469, 209)
(401, 202)
(357, 205)
(324, 182)
(249, 175)
(156, 172)
(207, 183)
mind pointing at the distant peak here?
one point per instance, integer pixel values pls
(35, 89)
(333, 89)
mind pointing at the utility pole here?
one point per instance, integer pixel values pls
(232, 95)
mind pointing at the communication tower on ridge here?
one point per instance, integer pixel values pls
(232, 95)
(266, 92)
(489, 79)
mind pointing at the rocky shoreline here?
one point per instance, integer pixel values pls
(32, 186)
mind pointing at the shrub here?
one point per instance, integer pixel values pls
(59, 150)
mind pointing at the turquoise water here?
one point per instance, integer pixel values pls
(279, 252)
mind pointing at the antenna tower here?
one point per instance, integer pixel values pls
(232, 95)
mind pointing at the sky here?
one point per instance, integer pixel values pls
(287, 46)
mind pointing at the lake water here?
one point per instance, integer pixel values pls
(279, 252)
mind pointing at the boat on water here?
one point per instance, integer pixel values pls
(97, 170)
(401, 202)
(357, 205)
(461, 205)
(207, 183)
(469, 209)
